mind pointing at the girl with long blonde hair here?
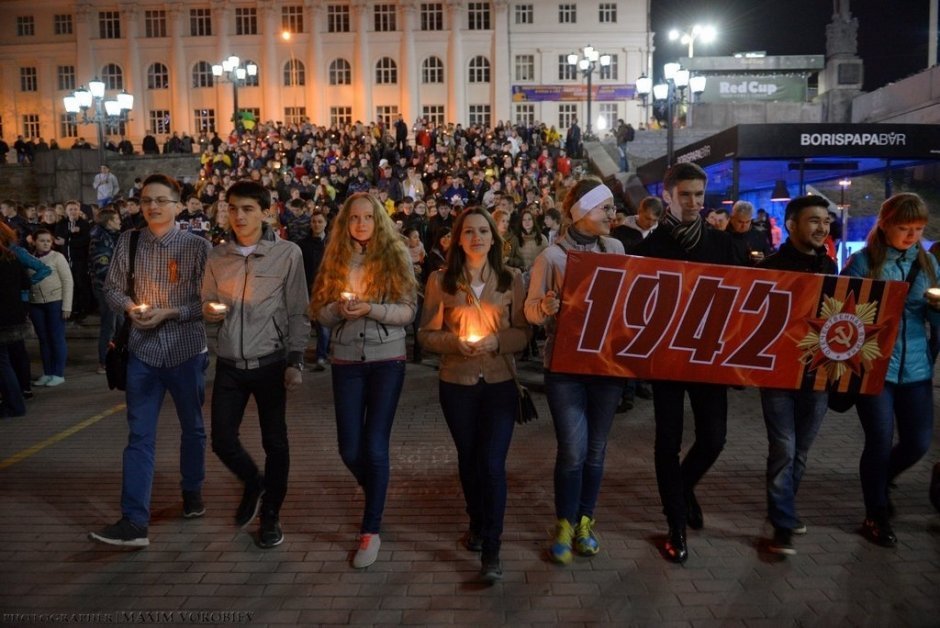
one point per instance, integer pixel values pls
(896, 252)
(366, 293)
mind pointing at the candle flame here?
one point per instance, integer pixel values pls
(474, 338)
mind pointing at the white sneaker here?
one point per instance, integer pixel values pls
(54, 380)
(42, 381)
(368, 550)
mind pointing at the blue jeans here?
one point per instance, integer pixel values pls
(13, 403)
(323, 341)
(481, 419)
(792, 418)
(50, 329)
(110, 321)
(911, 406)
(146, 387)
(710, 413)
(583, 408)
(365, 397)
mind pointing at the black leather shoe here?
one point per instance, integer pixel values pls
(270, 533)
(694, 516)
(473, 541)
(491, 570)
(879, 532)
(676, 550)
(251, 502)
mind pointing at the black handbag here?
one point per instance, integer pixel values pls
(525, 410)
(115, 360)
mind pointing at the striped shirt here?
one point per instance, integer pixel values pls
(168, 275)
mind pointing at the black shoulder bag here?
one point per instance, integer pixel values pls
(115, 361)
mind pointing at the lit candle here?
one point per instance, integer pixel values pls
(473, 338)
(756, 256)
(143, 308)
(933, 295)
(218, 308)
(347, 296)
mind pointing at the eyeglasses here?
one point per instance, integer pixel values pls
(159, 202)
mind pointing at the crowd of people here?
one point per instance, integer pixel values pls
(461, 238)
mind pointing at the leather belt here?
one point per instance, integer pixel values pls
(249, 365)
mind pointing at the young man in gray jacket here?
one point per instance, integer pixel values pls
(254, 285)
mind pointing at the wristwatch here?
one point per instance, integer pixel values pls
(297, 365)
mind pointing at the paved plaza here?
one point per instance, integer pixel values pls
(60, 476)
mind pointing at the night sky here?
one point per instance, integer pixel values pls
(892, 36)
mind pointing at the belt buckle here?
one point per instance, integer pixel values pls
(252, 364)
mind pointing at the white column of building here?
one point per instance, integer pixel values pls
(84, 54)
(409, 76)
(362, 65)
(270, 67)
(133, 73)
(456, 79)
(500, 72)
(315, 64)
(180, 115)
(224, 103)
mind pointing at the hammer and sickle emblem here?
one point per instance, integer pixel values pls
(843, 336)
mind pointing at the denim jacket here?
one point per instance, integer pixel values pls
(910, 360)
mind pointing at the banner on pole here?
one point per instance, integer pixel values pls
(669, 320)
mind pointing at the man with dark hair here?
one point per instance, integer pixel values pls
(793, 417)
(682, 235)
(167, 354)
(255, 287)
(636, 228)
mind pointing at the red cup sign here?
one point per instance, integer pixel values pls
(669, 320)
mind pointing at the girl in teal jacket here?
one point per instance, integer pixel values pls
(893, 247)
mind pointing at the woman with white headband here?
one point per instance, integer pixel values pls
(582, 406)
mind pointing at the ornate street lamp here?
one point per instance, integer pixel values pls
(706, 34)
(587, 63)
(94, 108)
(672, 93)
(232, 70)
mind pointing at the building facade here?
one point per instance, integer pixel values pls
(328, 61)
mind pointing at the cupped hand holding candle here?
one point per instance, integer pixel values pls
(348, 296)
(933, 296)
(218, 308)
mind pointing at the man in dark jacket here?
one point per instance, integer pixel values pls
(312, 248)
(741, 228)
(682, 235)
(793, 417)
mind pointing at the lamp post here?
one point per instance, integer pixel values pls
(844, 183)
(672, 92)
(95, 109)
(233, 71)
(706, 33)
(587, 63)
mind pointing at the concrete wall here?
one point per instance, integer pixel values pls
(66, 174)
(914, 100)
(717, 117)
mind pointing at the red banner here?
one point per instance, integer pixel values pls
(669, 320)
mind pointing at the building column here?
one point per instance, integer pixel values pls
(456, 74)
(224, 101)
(270, 67)
(180, 115)
(409, 77)
(133, 72)
(501, 70)
(362, 65)
(84, 59)
(316, 68)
